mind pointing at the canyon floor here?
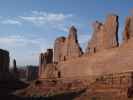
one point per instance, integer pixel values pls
(64, 90)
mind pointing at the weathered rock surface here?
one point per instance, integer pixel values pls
(105, 35)
(104, 39)
(107, 61)
(50, 72)
(45, 58)
(128, 31)
(72, 48)
(58, 49)
(67, 48)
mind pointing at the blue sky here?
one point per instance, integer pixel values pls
(28, 27)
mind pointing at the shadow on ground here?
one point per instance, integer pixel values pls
(8, 87)
(63, 96)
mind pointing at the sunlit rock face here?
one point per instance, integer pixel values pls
(67, 48)
(58, 49)
(4, 64)
(128, 30)
(105, 35)
(69, 60)
(72, 48)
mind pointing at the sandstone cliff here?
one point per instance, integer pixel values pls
(67, 48)
(44, 59)
(106, 58)
(58, 49)
(105, 35)
(128, 31)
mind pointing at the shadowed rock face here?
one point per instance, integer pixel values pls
(67, 48)
(4, 64)
(128, 31)
(105, 35)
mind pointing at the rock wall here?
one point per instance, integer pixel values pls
(44, 59)
(67, 48)
(128, 30)
(4, 64)
(71, 47)
(105, 35)
(114, 80)
(50, 72)
(58, 49)
(71, 63)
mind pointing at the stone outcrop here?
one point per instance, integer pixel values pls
(58, 49)
(50, 72)
(45, 59)
(128, 31)
(71, 63)
(67, 48)
(72, 48)
(105, 35)
(4, 64)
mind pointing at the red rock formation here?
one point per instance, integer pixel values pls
(67, 48)
(105, 35)
(45, 59)
(71, 47)
(58, 49)
(49, 72)
(95, 40)
(128, 31)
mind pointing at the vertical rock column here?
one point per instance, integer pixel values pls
(105, 35)
(58, 49)
(128, 30)
(72, 48)
(110, 32)
(45, 59)
(67, 48)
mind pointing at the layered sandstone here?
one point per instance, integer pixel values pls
(105, 35)
(67, 48)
